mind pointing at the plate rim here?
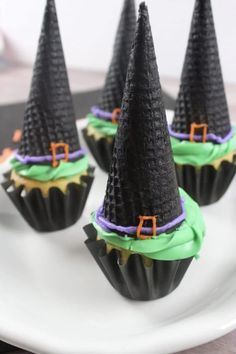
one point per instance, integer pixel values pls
(212, 331)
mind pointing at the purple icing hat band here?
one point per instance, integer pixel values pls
(132, 230)
(48, 158)
(99, 113)
(209, 137)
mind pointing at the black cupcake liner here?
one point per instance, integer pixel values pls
(206, 185)
(101, 149)
(57, 211)
(133, 279)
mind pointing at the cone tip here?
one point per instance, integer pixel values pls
(143, 12)
(142, 7)
(50, 3)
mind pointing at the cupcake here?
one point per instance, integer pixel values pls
(102, 120)
(147, 231)
(50, 177)
(202, 137)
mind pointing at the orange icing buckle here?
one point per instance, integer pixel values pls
(115, 115)
(195, 126)
(16, 137)
(140, 225)
(54, 147)
(5, 154)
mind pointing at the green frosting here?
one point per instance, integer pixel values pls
(199, 154)
(102, 126)
(49, 173)
(182, 243)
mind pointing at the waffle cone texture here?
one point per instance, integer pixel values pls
(49, 114)
(142, 178)
(112, 92)
(201, 97)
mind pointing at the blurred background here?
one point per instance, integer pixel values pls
(88, 29)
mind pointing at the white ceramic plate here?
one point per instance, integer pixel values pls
(54, 298)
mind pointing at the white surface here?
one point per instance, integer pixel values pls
(1, 44)
(88, 30)
(55, 300)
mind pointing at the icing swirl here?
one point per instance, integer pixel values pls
(198, 154)
(49, 173)
(184, 242)
(104, 127)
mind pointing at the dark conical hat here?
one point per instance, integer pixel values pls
(49, 114)
(201, 97)
(142, 177)
(113, 89)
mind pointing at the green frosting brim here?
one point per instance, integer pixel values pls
(104, 127)
(182, 243)
(198, 154)
(49, 173)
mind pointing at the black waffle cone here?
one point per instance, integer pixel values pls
(49, 114)
(133, 279)
(56, 212)
(201, 97)
(142, 178)
(112, 92)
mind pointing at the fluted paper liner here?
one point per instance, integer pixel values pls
(206, 185)
(55, 212)
(133, 279)
(101, 149)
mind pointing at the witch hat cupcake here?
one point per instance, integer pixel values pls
(147, 231)
(102, 120)
(203, 140)
(50, 177)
